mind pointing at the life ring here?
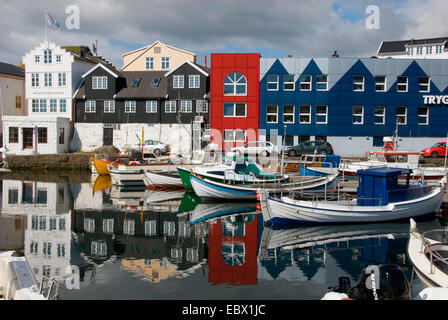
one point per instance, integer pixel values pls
(133, 163)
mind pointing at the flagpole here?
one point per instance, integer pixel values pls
(46, 22)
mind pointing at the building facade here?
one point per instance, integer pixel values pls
(434, 48)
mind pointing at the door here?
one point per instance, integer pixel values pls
(28, 138)
(108, 134)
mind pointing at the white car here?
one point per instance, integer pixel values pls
(152, 146)
(263, 148)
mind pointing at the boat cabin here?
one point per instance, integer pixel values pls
(383, 185)
(393, 157)
(318, 161)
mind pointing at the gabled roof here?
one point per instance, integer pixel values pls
(12, 70)
(400, 46)
(204, 70)
(144, 89)
(102, 66)
(150, 46)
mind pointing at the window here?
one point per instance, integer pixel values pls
(235, 84)
(234, 109)
(234, 135)
(410, 51)
(149, 63)
(42, 136)
(34, 79)
(321, 114)
(13, 135)
(89, 225)
(170, 106)
(304, 114)
(90, 106)
(165, 62)
(135, 82)
(61, 79)
(201, 106)
(18, 102)
(53, 105)
(305, 82)
(439, 49)
(109, 106)
(62, 105)
(186, 106)
(272, 82)
(169, 228)
(380, 83)
(52, 224)
(358, 83)
(48, 56)
(419, 50)
(150, 228)
(129, 227)
(271, 113)
(423, 84)
(61, 250)
(35, 105)
(378, 141)
(228, 135)
(151, 106)
(193, 81)
(61, 136)
(288, 114)
(178, 82)
(401, 115)
(157, 50)
(288, 82)
(130, 106)
(321, 82)
(47, 80)
(429, 50)
(43, 105)
(58, 58)
(357, 114)
(379, 115)
(423, 115)
(402, 84)
(37, 59)
(99, 82)
(155, 82)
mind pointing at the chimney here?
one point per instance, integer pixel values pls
(205, 60)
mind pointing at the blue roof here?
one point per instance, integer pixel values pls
(384, 171)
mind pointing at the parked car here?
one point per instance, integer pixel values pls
(153, 146)
(263, 148)
(437, 150)
(309, 147)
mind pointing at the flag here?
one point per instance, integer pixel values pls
(94, 48)
(52, 22)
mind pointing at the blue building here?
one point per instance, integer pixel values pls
(353, 103)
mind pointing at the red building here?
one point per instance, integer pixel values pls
(234, 96)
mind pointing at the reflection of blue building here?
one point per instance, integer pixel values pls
(353, 103)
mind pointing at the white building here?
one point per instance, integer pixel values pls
(435, 48)
(52, 75)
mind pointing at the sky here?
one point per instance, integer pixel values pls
(272, 28)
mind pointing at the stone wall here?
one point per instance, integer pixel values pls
(50, 162)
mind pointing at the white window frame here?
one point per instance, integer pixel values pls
(177, 83)
(428, 49)
(130, 106)
(235, 83)
(109, 106)
(224, 135)
(37, 59)
(321, 82)
(53, 105)
(357, 115)
(48, 56)
(383, 115)
(234, 109)
(48, 79)
(405, 115)
(99, 83)
(62, 103)
(35, 80)
(164, 63)
(272, 113)
(42, 105)
(423, 116)
(151, 106)
(186, 106)
(149, 63)
(357, 83)
(308, 114)
(289, 113)
(235, 135)
(90, 106)
(62, 79)
(293, 83)
(428, 85)
(381, 83)
(306, 83)
(268, 82)
(58, 58)
(194, 81)
(322, 114)
(402, 84)
(201, 106)
(170, 106)
(34, 105)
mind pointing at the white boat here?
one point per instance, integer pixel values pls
(380, 198)
(17, 281)
(207, 188)
(127, 175)
(162, 179)
(428, 252)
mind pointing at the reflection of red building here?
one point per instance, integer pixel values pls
(232, 254)
(234, 82)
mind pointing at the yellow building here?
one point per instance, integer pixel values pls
(154, 269)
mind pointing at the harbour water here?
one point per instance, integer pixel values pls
(131, 244)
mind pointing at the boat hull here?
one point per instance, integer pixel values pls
(184, 175)
(160, 180)
(101, 166)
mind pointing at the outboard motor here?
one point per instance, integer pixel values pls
(381, 282)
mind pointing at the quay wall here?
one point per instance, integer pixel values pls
(50, 162)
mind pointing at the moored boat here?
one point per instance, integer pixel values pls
(319, 164)
(162, 179)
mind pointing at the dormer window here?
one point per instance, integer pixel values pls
(48, 56)
(155, 82)
(178, 82)
(135, 82)
(99, 82)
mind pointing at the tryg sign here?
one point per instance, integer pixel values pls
(431, 99)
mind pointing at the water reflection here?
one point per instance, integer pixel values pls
(160, 236)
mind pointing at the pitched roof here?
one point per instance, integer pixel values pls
(144, 89)
(400, 46)
(12, 70)
(104, 67)
(204, 70)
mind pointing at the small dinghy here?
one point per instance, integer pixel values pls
(162, 179)
(380, 197)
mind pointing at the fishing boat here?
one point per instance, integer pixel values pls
(428, 252)
(207, 211)
(318, 164)
(207, 188)
(17, 281)
(380, 197)
(162, 179)
(130, 175)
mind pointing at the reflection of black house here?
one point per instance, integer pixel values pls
(133, 236)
